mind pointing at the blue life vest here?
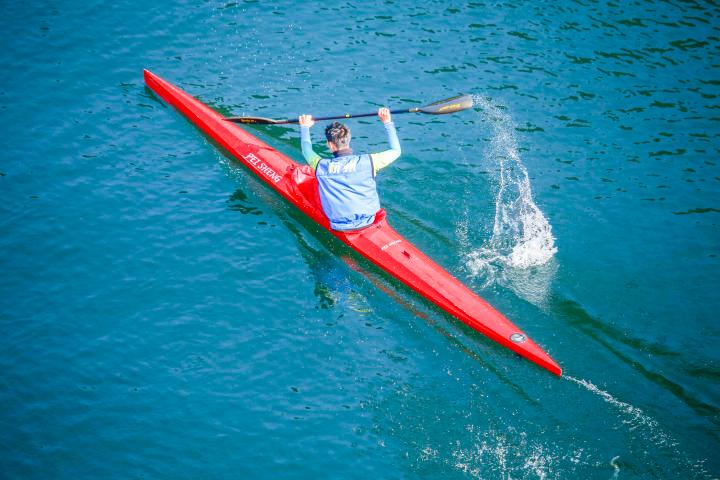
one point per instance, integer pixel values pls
(348, 193)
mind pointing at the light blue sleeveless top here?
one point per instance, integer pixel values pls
(348, 191)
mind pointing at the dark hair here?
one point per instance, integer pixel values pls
(338, 134)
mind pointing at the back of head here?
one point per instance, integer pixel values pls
(338, 134)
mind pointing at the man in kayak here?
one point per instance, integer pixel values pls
(346, 182)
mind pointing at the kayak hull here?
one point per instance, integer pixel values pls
(379, 243)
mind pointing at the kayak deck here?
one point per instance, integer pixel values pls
(378, 243)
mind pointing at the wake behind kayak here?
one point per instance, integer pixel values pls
(379, 243)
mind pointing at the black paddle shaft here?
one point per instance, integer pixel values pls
(449, 105)
(350, 115)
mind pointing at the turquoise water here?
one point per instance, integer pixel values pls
(165, 315)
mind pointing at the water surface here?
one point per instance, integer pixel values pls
(163, 314)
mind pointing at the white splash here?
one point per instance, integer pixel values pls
(650, 431)
(507, 454)
(519, 251)
(634, 416)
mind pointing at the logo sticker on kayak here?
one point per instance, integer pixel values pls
(262, 167)
(388, 245)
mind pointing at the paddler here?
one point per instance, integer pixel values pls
(346, 182)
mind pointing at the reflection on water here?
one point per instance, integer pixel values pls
(333, 287)
(238, 202)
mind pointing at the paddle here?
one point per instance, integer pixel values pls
(441, 107)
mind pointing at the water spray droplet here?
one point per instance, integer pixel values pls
(522, 244)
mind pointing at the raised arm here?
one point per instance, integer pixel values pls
(383, 159)
(311, 157)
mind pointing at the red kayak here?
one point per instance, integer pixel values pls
(379, 243)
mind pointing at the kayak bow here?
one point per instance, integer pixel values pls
(378, 243)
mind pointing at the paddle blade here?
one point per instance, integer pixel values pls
(449, 105)
(256, 120)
